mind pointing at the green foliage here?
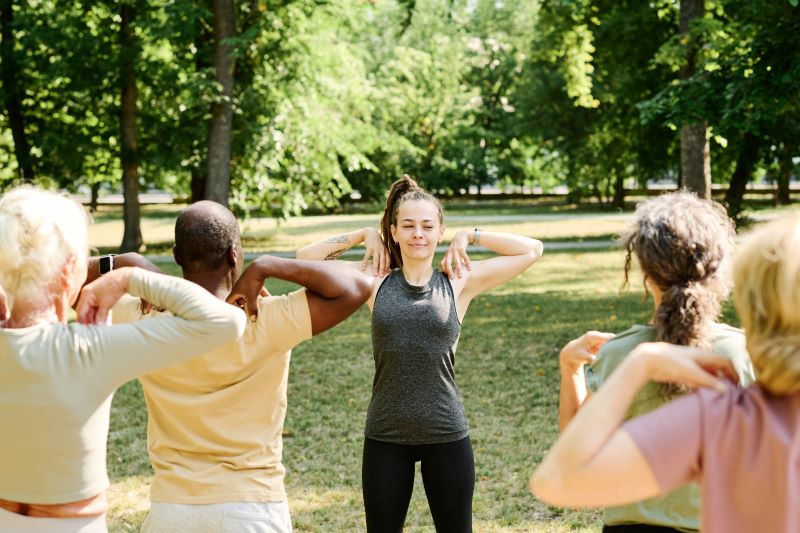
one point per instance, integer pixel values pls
(591, 63)
(747, 80)
(334, 96)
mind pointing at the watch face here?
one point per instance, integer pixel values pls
(106, 264)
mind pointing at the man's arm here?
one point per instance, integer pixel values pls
(334, 291)
(130, 259)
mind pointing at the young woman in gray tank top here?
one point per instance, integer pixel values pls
(415, 413)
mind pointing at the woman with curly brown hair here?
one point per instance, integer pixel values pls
(741, 444)
(683, 246)
(415, 414)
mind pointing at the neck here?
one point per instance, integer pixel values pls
(218, 282)
(25, 315)
(417, 272)
(656, 299)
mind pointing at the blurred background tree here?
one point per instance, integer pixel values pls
(285, 105)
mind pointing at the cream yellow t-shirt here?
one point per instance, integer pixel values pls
(215, 422)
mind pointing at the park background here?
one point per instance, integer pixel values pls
(547, 118)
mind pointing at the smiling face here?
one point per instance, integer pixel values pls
(417, 229)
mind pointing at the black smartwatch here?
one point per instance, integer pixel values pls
(106, 263)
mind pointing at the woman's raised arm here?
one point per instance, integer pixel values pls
(332, 247)
(595, 462)
(516, 254)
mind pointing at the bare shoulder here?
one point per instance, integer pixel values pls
(458, 283)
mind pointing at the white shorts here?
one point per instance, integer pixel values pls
(17, 523)
(236, 517)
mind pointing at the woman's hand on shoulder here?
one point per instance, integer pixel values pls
(98, 297)
(581, 351)
(375, 249)
(456, 259)
(687, 365)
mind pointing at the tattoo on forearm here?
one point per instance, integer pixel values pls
(338, 238)
(335, 254)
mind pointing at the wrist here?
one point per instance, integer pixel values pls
(637, 367)
(128, 259)
(361, 235)
(461, 234)
(476, 236)
(570, 370)
(122, 277)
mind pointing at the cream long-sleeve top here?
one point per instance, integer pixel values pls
(57, 380)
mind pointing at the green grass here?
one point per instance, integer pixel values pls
(262, 233)
(547, 221)
(507, 368)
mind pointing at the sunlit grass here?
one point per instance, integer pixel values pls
(269, 234)
(507, 371)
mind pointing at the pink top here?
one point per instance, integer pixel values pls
(743, 446)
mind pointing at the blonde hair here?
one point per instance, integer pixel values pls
(39, 230)
(767, 296)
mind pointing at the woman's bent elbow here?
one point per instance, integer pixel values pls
(545, 486)
(537, 249)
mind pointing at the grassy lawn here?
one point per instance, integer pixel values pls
(508, 376)
(547, 222)
(264, 233)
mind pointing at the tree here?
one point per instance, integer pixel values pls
(221, 130)
(695, 151)
(11, 76)
(132, 235)
(592, 64)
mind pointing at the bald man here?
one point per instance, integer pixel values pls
(215, 422)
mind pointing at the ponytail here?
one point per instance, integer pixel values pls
(396, 192)
(682, 315)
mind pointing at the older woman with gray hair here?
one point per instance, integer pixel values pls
(57, 378)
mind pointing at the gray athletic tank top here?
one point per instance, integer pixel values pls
(415, 331)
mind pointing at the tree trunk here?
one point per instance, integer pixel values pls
(95, 192)
(13, 104)
(782, 193)
(198, 185)
(618, 201)
(132, 236)
(695, 156)
(221, 130)
(203, 41)
(741, 175)
(695, 160)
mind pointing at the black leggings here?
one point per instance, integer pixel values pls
(387, 480)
